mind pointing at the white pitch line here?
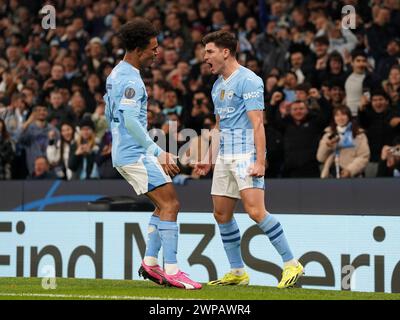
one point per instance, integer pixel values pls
(76, 296)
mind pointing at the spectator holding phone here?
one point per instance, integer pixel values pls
(390, 164)
(58, 151)
(360, 82)
(83, 153)
(343, 149)
(35, 135)
(57, 80)
(200, 109)
(14, 115)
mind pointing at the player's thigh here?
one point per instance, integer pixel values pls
(166, 200)
(254, 203)
(224, 183)
(223, 208)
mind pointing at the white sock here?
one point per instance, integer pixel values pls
(293, 263)
(150, 261)
(237, 271)
(171, 269)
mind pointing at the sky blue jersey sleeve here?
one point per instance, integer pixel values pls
(107, 110)
(131, 96)
(253, 94)
(130, 104)
(140, 135)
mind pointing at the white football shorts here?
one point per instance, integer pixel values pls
(231, 176)
(144, 175)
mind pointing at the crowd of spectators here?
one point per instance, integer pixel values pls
(331, 94)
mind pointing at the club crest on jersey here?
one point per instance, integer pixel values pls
(229, 94)
(222, 95)
(129, 93)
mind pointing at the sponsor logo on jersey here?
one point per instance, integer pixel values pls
(251, 95)
(226, 110)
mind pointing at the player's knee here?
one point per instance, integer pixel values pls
(176, 206)
(255, 213)
(172, 206)
(221, 217)
(218, 215)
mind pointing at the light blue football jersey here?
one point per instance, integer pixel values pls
(243, 91)
(125, 90)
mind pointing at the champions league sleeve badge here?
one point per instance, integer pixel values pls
(129, 93)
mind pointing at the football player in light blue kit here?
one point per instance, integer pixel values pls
(138, 158)
(238, 96)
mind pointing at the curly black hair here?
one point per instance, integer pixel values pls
(137, 34)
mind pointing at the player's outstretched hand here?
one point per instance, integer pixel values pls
(167, 161)
(256, 170)
(202, 169)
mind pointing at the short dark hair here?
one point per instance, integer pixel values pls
(39, 106)
(335, 83)
(293, 73)
(358, 53)
(380, 92)
(137, 34)
(17, 96)
(300, 101)
(222, 39)
(28, 88)
(303, 87)
(163, 84)
(322, 40)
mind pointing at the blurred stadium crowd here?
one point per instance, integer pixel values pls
(331, 94)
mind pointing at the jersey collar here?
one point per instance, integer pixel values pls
(136, 69)
(234, 73)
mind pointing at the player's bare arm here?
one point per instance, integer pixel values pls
(257, 120)
(205, 165)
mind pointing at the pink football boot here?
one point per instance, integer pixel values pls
(153, 273)
(180, 280)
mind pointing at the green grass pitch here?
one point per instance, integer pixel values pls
(85, 289)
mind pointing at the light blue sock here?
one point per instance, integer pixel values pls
(273, 229)
(168, 231)
(153, 238)
(230, 235)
